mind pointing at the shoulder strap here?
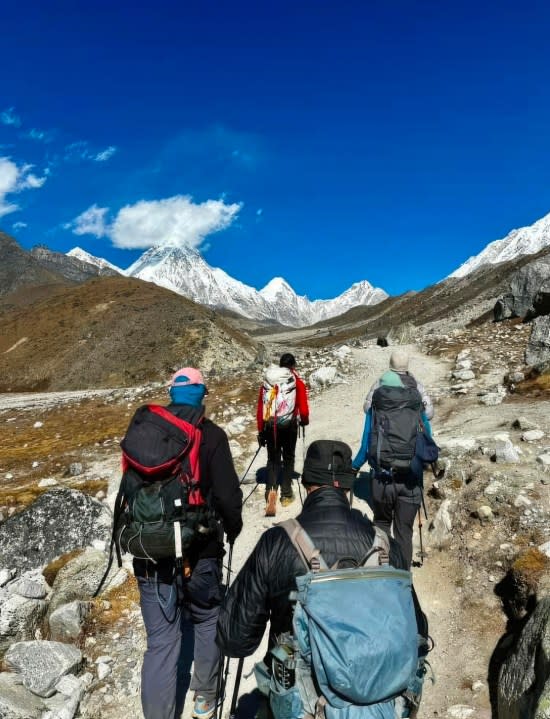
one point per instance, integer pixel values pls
(307, 551)
(379, 554)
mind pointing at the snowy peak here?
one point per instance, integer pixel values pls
(184, 270)
(84, 256)
(523, 241)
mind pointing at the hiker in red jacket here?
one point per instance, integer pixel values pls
(282, 408)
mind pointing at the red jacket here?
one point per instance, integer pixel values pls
(301, 408)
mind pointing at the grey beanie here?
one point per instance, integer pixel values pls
(399, 361)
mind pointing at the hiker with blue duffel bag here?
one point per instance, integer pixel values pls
(347, 637)
(397, 442)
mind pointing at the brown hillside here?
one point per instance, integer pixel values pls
(112, 331)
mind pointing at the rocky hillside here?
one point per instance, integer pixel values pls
(449, 304)
(74, 269)
(112, 331)
(19, 269)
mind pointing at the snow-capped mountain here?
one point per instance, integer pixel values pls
(525, 241)
(84, 256)
(184, 270)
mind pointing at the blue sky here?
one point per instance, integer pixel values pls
(325, 142)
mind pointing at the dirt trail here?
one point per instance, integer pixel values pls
(337, 414)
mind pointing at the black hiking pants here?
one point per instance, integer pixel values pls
(281, 450)
(396, 501)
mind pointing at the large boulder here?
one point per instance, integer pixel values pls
(525, 285)
(57, 522)
(524, 677)
(42, 664)
(324, 376)
(80, 577)
(537, 353)
(67, 620)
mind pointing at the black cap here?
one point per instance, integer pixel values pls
(328, 461)
(287, 360)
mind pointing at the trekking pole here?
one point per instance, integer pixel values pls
(250, 465)
(421, 552)
(233, 709)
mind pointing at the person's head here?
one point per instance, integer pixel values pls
(399, 361)
(287, 360)
(187, 387)
(328, 463)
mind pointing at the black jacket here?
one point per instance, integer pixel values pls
(219, 485)
(260, 593)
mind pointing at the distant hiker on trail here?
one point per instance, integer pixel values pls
(366, 639)
(282, 407)
(178, 495)
(397, 407)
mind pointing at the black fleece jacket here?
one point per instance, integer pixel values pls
(260, 593)
(219, 485)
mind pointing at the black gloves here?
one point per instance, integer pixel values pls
(304, 422)
(262, 439)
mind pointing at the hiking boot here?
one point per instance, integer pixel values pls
(285, 501)
(271, 506)
(203, 709)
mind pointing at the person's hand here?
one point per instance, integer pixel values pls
(262, 439)
(231, 537)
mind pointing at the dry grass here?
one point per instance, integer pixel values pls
(535, 387)
(122, 600)
(531, 565)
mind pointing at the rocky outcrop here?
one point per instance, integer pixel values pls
(20, 617)
(524, 679)
(528, 284)
(79, 578)
(17, 702)
(42, 664)
(58, 522)
(537, 353)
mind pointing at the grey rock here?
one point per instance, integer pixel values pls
(545, 548)
(463, 374)
(524, 678)
(524, 286)
(492, 399)
(48, 482)
(505, 450)
(16, 701)
(544, 459)
(516, 376)
(522, 501)
(6, 575)
(67, 620)
(57, 522)
(103, 671)
(20, 617)
(484, 512)
(323, 377)
(458, 446)
(532, 435)
(80, 577)
(441, 526)
(75, 469)
(30, 586)
(537, 353)
(42, 664)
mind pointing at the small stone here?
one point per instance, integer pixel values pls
(545, 548)
(532, 435)
(463, 374)
(6, 575)
(47, 482)
(37, 425)
(8, 475)
(484, 512)
(104, 659)
(491, 578)
(523, 423)
(477, 535)
(75, 469)
(460, 711)
(522, 501)
(103, 671)
(544, 459)
(505, 450)
(478, 686)
(35, 464)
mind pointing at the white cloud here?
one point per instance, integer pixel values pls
(91, 222)
(19, 226)
(176, 221)
(14, 179)
(106, 154)
(9, 117)
(39, 135)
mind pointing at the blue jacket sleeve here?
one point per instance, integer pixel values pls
(361, 456)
